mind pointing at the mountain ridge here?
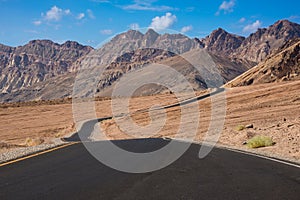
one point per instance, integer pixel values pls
(40, 61)
(37, 61)
(284, 65)
(265, 41)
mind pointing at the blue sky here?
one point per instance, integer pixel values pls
(90, 22)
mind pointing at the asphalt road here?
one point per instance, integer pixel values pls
(72, 173)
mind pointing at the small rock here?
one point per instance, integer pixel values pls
(284, 119)
(249, 126)
(290, 125)
(244, 143)
(250, 135)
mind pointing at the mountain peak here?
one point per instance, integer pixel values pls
(42, 42)
(133, 34)
(151, 34)
(221, 42)
(70, 43)
(74, 45)
(150, 31)
(220, 30)
(150, 37)
(283, 22)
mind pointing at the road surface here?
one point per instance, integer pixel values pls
(72, 173)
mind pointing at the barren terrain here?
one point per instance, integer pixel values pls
(273, 109)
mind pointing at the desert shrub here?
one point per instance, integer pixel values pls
(240, 127)
(30, 142)
(260, 141)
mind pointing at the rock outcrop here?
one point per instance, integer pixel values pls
(264, 42)
(222, 43)
(37, 61)
(282, 66)
(257, 46)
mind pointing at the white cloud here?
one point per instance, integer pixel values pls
(90, 14)
(55, 13)
(147, 6)
(67, 12)
(37, 22)
(294, 17)
(134, 26)
(226, 6)
(163, 22)
(252, 27)
(80, 16)
(186, 29)
(106, 32)
(242, 20)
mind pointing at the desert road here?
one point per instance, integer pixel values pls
(72, 173)
(87, 128)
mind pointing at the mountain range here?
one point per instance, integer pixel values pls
(257, 46)
(43, 69)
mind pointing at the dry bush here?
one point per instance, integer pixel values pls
(30, 142)
(240, 127)
(260, 141)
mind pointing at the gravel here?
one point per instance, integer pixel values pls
(15, 153)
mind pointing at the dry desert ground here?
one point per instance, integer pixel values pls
(273, 110)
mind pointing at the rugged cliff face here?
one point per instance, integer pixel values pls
(282, 66)
(37, 61)
(222, 43)
(257, 47)
(133, 40)
(62, 86)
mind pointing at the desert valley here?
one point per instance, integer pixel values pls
(260, 74)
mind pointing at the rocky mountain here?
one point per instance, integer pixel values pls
(264, 42)
(222, 43)
(133, 40)
(29, 67)
(43, 69)
(257, 46)
(227, 68)
(282, 66)
(37, 61)
(129, 63)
